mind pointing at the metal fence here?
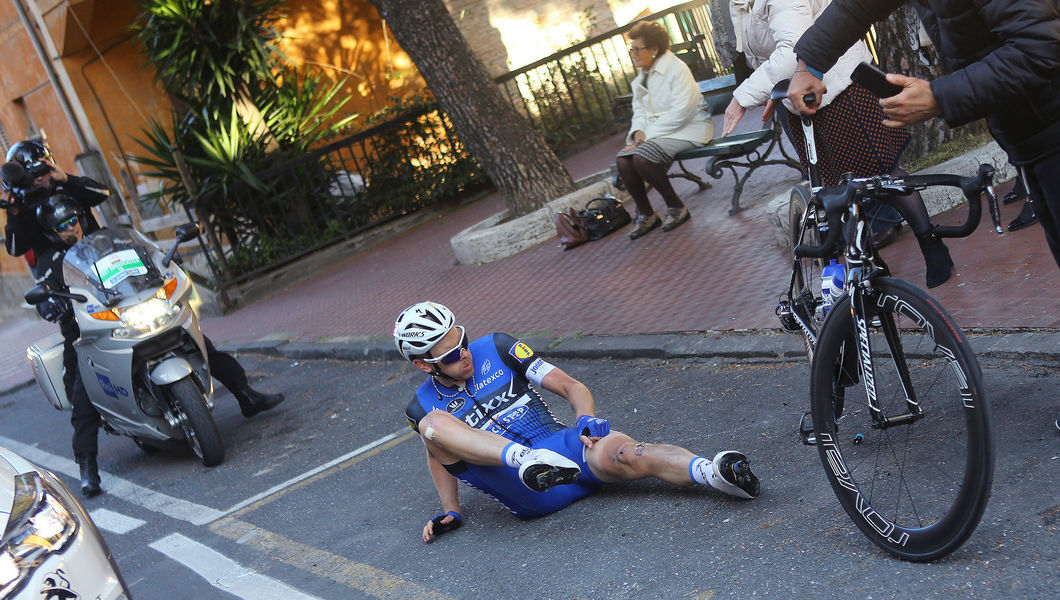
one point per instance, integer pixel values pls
(572, 94)
(336, 192)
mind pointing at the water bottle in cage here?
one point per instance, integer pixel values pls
(832, 279)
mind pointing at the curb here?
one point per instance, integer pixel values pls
(1035, 346)
(1038, 345)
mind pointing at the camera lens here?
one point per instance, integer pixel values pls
(38, 169)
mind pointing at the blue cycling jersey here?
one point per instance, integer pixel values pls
(500, 398)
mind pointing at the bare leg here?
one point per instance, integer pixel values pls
(619, 457)
(450, 440)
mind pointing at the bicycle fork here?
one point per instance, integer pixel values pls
(861, 301)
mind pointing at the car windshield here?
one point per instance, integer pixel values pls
(116, 263)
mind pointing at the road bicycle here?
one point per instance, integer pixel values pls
(899, 412)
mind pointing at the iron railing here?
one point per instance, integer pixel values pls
(571, 95)
(336, 192)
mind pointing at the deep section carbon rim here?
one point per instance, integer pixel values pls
(916, 488)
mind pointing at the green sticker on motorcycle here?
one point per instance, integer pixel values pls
(116, 268)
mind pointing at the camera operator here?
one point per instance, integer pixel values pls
(27, 180)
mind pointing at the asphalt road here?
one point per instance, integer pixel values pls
(325, 497)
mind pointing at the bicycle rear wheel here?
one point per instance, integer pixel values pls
(916, 489)
(806, 295)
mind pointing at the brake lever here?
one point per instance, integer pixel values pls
(995, 209)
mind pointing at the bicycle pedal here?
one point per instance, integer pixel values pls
(787, 320)
(809, 437)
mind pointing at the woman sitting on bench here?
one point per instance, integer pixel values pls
(668, 117)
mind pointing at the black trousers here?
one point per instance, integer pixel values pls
(84, 417)
(1043, 187)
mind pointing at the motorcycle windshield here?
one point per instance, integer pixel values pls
(114, 262)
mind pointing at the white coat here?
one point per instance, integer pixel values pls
(671, 106)
(767, 31)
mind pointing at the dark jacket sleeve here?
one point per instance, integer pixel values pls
(88, 192)
(842, 24)
(1027, 54)
(22, 233)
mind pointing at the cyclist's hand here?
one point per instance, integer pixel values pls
(915, 104)
(591, 429)
(441, 524)
(733, 114)
(803, 83)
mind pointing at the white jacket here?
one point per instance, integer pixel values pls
(671, 106)
(767, 31)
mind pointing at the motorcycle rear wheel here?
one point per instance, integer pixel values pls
(200, 431)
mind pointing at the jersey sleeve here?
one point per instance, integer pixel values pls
(413, 413)
(521, 358)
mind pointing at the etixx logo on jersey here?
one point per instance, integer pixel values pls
(521, 351)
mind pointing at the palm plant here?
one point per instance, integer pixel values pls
(240, 109)
(207, 52)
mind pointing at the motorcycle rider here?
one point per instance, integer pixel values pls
(28, 178)
(65, 224)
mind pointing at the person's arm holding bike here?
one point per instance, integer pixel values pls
(1029, 48)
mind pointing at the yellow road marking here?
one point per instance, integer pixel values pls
(370, 580)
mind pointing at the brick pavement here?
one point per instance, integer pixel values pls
(716, 272)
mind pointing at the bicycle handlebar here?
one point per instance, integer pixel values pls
(835, 200)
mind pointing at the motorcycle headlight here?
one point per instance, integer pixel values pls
(145, 318)
(40, 525)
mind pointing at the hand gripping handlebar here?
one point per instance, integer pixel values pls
(835, 200)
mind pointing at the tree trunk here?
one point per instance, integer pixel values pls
(514, 156)
(899, 49)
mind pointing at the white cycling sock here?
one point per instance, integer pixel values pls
(514, 454)
(699, 469)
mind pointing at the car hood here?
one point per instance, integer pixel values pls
(11, 465)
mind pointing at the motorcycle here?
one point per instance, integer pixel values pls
(141, 354)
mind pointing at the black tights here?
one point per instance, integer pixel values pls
(912, 208)
(635, 171)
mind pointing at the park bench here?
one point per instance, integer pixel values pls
(745, 151)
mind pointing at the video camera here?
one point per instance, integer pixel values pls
(20, 182)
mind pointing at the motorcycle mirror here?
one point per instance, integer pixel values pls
(187, 232)
(37, 294)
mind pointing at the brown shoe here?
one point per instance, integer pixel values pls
(643, 224)
(674, 217)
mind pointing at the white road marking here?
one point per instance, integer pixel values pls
(294, 480)
(114, 522)
(176, 508)
(224, 573)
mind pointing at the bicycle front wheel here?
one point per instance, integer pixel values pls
(915, 478)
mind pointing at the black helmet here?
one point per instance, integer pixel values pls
(54, 211)
(29, 154)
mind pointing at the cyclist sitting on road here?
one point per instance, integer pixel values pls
(484, 423)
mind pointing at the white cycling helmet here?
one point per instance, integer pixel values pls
(419, 327)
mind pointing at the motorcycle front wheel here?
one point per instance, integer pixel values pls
(197, 422)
